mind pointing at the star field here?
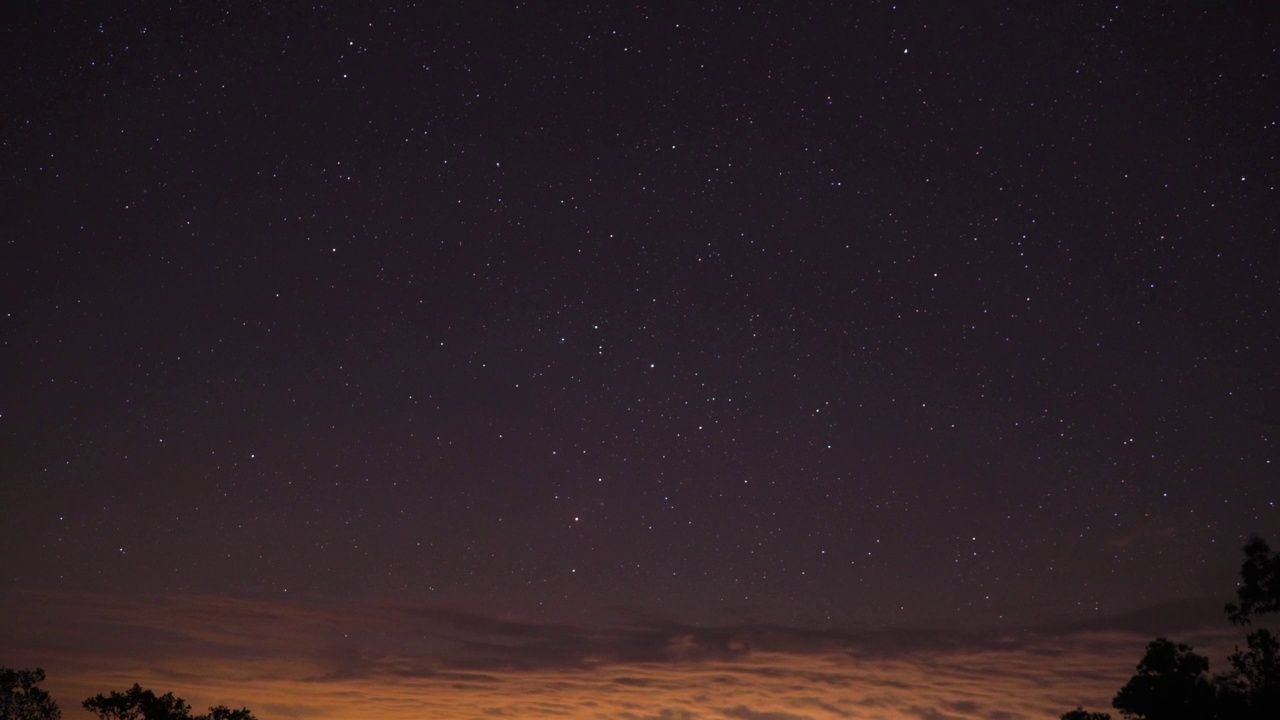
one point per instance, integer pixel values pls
(821, 315)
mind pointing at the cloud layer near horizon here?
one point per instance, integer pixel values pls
(386, 661)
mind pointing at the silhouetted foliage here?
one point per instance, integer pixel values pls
(1171, 684)
(1252, 689)
(222, 712)
(1172, 681)
(138, 703)
(22, 699)
(1082, 714)
(1259, 590)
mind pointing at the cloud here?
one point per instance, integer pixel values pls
(665, 714)
(926, 713)
(744, 713)
(376, 660)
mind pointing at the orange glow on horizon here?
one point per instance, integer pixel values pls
(285, 661)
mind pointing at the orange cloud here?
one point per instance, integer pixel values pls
(380, 661)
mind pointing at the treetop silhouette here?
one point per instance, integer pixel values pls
(138, 703)
(1259, 590)
(1172, 681)
(22, 699)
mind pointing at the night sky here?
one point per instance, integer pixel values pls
(528, 359)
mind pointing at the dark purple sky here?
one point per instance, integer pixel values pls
(823, 315)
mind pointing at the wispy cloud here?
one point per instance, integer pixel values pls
(377, 660)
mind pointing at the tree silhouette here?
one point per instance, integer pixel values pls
(1172, 681)
(138, 703)
(22, 699)
(222, 712)
(1259, 590)
(1171, 684)
(1252, 689)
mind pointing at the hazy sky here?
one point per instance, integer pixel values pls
(769, 361)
